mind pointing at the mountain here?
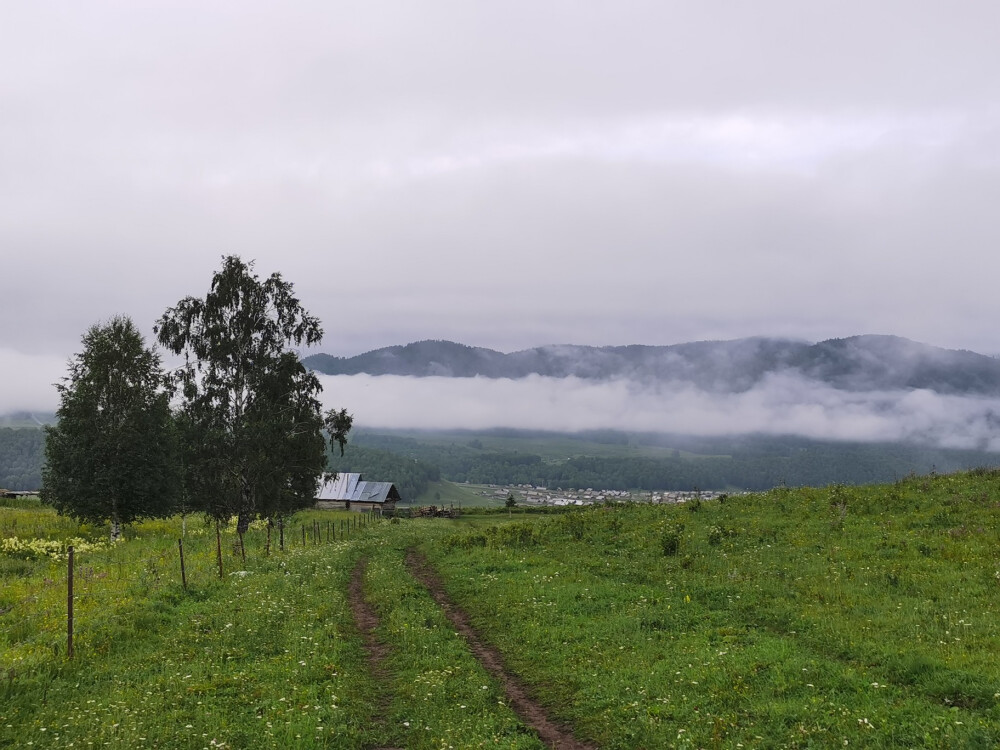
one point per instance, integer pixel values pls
(27, 419)
(858, 363)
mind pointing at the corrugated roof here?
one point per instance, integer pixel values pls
(341, 488)
(371, 492)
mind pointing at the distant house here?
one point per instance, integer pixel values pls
(352, 492)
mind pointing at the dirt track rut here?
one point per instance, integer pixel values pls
(529, 710)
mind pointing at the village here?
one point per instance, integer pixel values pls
(530, 495)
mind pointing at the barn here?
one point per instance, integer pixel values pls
(352, 492)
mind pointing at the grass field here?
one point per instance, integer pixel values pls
(444, 493)
(833, 617)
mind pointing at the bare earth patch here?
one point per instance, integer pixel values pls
(366, 620)
(529, 711)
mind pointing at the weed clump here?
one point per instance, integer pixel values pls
(670, 540)
(715, 535)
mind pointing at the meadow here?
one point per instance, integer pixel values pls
(842, 616)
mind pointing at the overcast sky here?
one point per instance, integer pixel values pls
(503, 174)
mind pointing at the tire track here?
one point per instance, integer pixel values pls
(366, 620)
(527, 709)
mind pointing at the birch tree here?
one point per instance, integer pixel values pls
(251, 420)
(112, 456)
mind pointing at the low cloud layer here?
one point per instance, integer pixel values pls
(783, 403)
(507, 174)
(780, 404)
(27, 382)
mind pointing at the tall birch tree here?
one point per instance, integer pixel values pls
(112, 454)
(251, 420)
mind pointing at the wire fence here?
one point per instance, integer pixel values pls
(51, 612)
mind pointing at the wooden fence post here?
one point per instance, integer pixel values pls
(218, 546)
(69, 604)
(180, 548)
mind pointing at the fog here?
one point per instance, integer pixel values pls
(27, 382)
(782, 403)
(506, 174)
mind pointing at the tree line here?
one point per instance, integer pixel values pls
(235, 430)
(20, 458)
(753, 462)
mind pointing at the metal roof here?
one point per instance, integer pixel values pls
(371, 492)
(351, 487)
(341, 488)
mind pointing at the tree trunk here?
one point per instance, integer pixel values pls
(243, 521)
(245, 515)
(116, 529)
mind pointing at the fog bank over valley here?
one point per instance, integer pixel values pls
(780, 404)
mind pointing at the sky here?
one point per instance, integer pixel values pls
(505, 174)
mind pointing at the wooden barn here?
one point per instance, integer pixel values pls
(352, 492)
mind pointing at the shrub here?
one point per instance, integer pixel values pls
(670, 540)
(511, 535)
(574, 525)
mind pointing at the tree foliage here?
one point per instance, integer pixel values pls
(250, 418)
(112, 454)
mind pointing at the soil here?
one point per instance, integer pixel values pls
(366, 620)
(529, 710)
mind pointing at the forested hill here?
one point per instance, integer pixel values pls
(602, 460)
(619, 461)
(859, 363)
(21, 458)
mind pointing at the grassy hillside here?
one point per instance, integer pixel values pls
(794, 618)
(444, 493)
(798, 618)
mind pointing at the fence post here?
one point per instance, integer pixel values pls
(303, 535)
(180, 547)
(69, 604)
(218, 545)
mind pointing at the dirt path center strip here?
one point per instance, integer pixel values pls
(366, 621)
(529, 711)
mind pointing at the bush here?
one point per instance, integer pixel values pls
(511, 535)
(670, 540)
(574, 525)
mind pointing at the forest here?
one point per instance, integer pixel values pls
(606, 460)
(601, 460)
(21, 458)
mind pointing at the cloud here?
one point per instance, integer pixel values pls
(28, 382)
(507, 174)
(781, 404)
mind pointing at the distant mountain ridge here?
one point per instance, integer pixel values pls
(857, 363)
